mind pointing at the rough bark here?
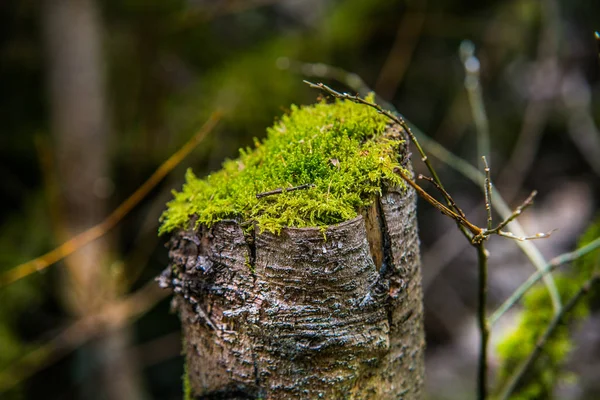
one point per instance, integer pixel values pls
(304, 314)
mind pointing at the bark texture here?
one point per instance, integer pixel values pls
(303, 314)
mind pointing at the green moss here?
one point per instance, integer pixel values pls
(339, 148)
(537, 314)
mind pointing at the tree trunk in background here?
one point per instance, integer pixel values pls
(303, 315)
(72, 34)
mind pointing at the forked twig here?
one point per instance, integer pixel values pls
(446, 194)
(479, 234)
(475, 230)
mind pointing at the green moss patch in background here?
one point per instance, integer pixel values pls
(342, 149)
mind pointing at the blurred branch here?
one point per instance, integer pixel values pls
(114, 218)
(597, 37)
(111, 317)
(473, 87)
(146, 238)
(533, 279)
(320, 70)
(522, 369)
(400, 55)
(545, 81)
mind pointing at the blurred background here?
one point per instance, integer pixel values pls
(95, 95)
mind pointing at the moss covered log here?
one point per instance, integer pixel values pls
(306, 294)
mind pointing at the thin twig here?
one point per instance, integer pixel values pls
(520, 372)
(446, 194)
(540, 235)
(475, 230)
(534, 278)
(280, 190)
(488, 193)
(76, 242)
(484, 327)
(527, 203)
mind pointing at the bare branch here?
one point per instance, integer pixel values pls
(510, 235)
(473, 87)
(484, 327)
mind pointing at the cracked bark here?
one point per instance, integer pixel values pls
(303, 316)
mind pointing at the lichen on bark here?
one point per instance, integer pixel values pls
(324, 302)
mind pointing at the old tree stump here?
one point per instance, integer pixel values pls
(306, 294)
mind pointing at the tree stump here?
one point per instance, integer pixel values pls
(306, 314)
(308, 294)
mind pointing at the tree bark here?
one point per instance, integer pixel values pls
(78, 100)
(305, 314)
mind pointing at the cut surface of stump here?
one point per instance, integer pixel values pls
(332, 312)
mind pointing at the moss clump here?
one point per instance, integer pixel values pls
(340, 148)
